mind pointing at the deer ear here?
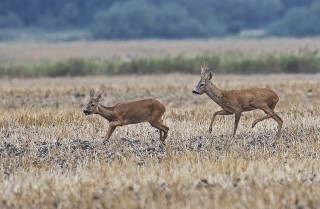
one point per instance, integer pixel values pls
(91, 93)
(209, 76)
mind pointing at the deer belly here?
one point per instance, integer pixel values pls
(249, 107)
(135, 118)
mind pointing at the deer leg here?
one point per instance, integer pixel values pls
(165, 132)
(236, 122)
(261, 119)
(280, 122)
(270, 113)
(220, 112)
(110, 131)
(161, 127)
(162, 133)
(112, 126)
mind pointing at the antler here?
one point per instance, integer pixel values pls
(91, 93)
(204, 69)
(99, 95)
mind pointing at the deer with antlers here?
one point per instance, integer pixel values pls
(238, 101)
(147, 110)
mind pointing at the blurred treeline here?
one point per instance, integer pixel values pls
(137, 19)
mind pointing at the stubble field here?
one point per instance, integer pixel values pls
(52, 156)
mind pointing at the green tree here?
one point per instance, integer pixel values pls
(121, 19)
(239, 14)
(142, 20)
(173, 21)
(299, 22)
(70, 14)
(131, 19)
(10, 20)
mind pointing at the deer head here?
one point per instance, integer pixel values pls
(204, 81)
(92, 106)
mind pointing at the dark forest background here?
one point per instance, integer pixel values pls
(173, 19)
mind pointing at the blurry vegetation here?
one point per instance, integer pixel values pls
(129, 19)
(299, 22)
(231, 63)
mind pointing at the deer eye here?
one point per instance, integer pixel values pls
(92, 105)
(202, 85)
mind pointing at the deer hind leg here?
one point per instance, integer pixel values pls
(220, 112)
(280, 122)
(277, 118)
(165, 132)
(162, 128)
(270, 114)
(157, 122)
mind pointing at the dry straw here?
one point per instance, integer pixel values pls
(52, 156)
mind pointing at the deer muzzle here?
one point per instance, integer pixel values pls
(86, 112)
(195, 91)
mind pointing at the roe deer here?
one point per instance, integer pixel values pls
(238, 101)
(147, 110)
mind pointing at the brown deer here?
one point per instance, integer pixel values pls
(147, 110)
(238, 101)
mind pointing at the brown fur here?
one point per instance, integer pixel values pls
(147, 110)
(238, 101)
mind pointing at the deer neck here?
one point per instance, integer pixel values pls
(215, 94)
(106, 112)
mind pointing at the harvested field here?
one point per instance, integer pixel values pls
(52, 156)
(20, 53)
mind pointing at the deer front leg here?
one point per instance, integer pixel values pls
(109, 132)
(236, 122)
(112, 126)
(221, 112)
